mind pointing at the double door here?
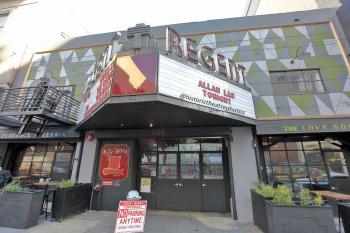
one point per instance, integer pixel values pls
(191, 181)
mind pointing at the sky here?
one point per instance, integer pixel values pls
(113, 15)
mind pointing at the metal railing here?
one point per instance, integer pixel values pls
(49, 101)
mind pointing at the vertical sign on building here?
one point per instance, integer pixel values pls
(131, 216)
(97, 94)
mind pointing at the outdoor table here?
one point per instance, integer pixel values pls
(52, 184)
(338, 197)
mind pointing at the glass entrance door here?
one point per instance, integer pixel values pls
(168, 184)
(212, 182)
(190, 181)
(189, 176)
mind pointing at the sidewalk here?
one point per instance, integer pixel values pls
(156, 222)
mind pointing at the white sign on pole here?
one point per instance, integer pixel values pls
(186, 83)
(131, 216)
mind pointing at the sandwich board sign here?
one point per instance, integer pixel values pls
(131, 216)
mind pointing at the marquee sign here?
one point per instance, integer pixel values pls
(114, 162)
(218, 63)
(186, 83)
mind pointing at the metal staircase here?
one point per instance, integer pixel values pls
(34, 108)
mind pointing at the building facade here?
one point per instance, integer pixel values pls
(262, 7)
(189, 114)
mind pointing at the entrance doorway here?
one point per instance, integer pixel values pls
(185, 174)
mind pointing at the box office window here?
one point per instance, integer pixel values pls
(45, 160)
(296, 81)
(304, 161)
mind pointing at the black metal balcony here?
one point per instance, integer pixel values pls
(33, 108)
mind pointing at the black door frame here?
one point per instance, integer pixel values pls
(225, 164)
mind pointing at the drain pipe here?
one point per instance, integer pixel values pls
(79, 160)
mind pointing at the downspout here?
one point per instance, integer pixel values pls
(79, 161)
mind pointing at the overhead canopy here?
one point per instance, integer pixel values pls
(157, 111)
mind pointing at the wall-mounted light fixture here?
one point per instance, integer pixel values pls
(151, 124)
(297, 54)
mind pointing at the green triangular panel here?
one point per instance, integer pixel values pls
(262, 109)
(256, 45)
(237, 56)
(318, 37)
(252, 71)
(294, 40)
(81, 52)
(304, 102)
(279, 44)
(330, 69)
(98, 50)
(275, 64)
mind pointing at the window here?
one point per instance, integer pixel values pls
(49, 160)
(304, 161)
(3, 18)
(296, 81)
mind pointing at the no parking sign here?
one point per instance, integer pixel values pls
(131, 216)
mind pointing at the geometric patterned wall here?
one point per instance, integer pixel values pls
(68, 67)
(261, 51)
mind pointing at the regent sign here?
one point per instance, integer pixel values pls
(204, 56)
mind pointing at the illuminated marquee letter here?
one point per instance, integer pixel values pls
(220, 67)
(231, 69)
(173, 40)
(207, 61)
(241, 70)
(189, 53)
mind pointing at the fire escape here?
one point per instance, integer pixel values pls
(32, 109)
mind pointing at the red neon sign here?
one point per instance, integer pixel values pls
(114, 163)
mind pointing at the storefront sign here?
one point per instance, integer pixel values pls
(114, 162)
(48, 134)
(204, 56)
(183, 82)
(98, 93)
(303, 126)
(145, 186)
(131, 216)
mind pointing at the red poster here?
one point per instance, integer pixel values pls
(114, 163)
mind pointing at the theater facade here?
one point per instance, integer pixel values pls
(190, 115)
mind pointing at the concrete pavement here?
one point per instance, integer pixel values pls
(156, 222)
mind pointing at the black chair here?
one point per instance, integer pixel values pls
(46, 201)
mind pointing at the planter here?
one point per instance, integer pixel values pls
(344, 210)
(20, 210)
(299, 219)
(71, 200)
(259, 210)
